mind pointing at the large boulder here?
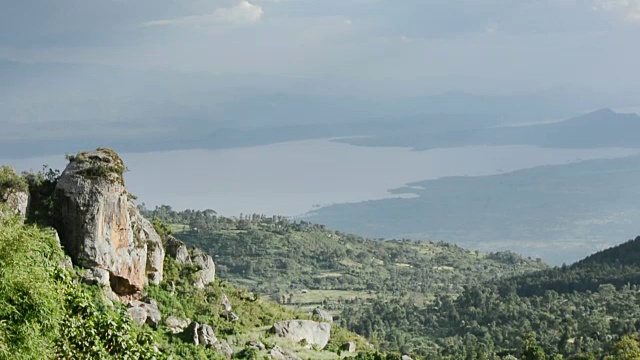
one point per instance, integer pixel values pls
(143, 231)
(207, 269)
(314, 333)
(223, 348)
(349, 347)
(177, 250)
(100, 228)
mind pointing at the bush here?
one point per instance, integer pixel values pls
(9, 180)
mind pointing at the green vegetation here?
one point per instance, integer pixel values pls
(580, 309)
(10, 181)
(103, 163)
(46, 314)
(305, 265)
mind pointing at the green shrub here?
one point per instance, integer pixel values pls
(9, 180)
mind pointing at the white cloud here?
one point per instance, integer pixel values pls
(628, 9)
(242, 13)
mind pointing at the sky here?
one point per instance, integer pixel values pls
(376, 47)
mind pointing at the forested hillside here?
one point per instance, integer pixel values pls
(304, 264)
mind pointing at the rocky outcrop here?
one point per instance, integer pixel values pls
(177, 250)
(406, 357)
(99, 227)
(322, 315)
(145, 312)
(143, 231)
(95, 276)
(207, 269)
(176, 325)
(314, 333)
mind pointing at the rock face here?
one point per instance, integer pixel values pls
(207, 273)
(100, 228)
(314, 333)
(177, 250)
(144, 231)
(322, 315)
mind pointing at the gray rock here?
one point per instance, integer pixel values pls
(92, 218)
(68, 264)
(231, 316)
(322, 315)
(406, 357)
(177, 250)
(176, 325)
(18, 202)
(223, 348)
(206, 336)
(279, 353)
(95, 276)
(314, 333)
(192, 331)
(349, 347)
(258, 345)
(207, 273)
(143, 232)
(225, 302)
(145, 312)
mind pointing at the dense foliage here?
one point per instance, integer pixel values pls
(45, 313)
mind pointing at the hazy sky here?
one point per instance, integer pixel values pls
(430, 45)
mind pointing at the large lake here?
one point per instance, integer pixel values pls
(293, 178)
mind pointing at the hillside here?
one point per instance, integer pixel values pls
(305, 265)
(104, 283)
(576, 312)
(601, 128)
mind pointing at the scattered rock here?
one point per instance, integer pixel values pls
(206, 336)
(177, 250)
(176, 325)
(202, 334)
(93, 222)
(349, 347)
(207, 272)
(258, 345)
(279, 353)
(95, 276)
(314, 333)
(322, 315)
(223, 348)
(225, 302)
(192, 331)
(231, 316)
(145, 312)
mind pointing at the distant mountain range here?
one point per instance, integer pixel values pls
(602, 128)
